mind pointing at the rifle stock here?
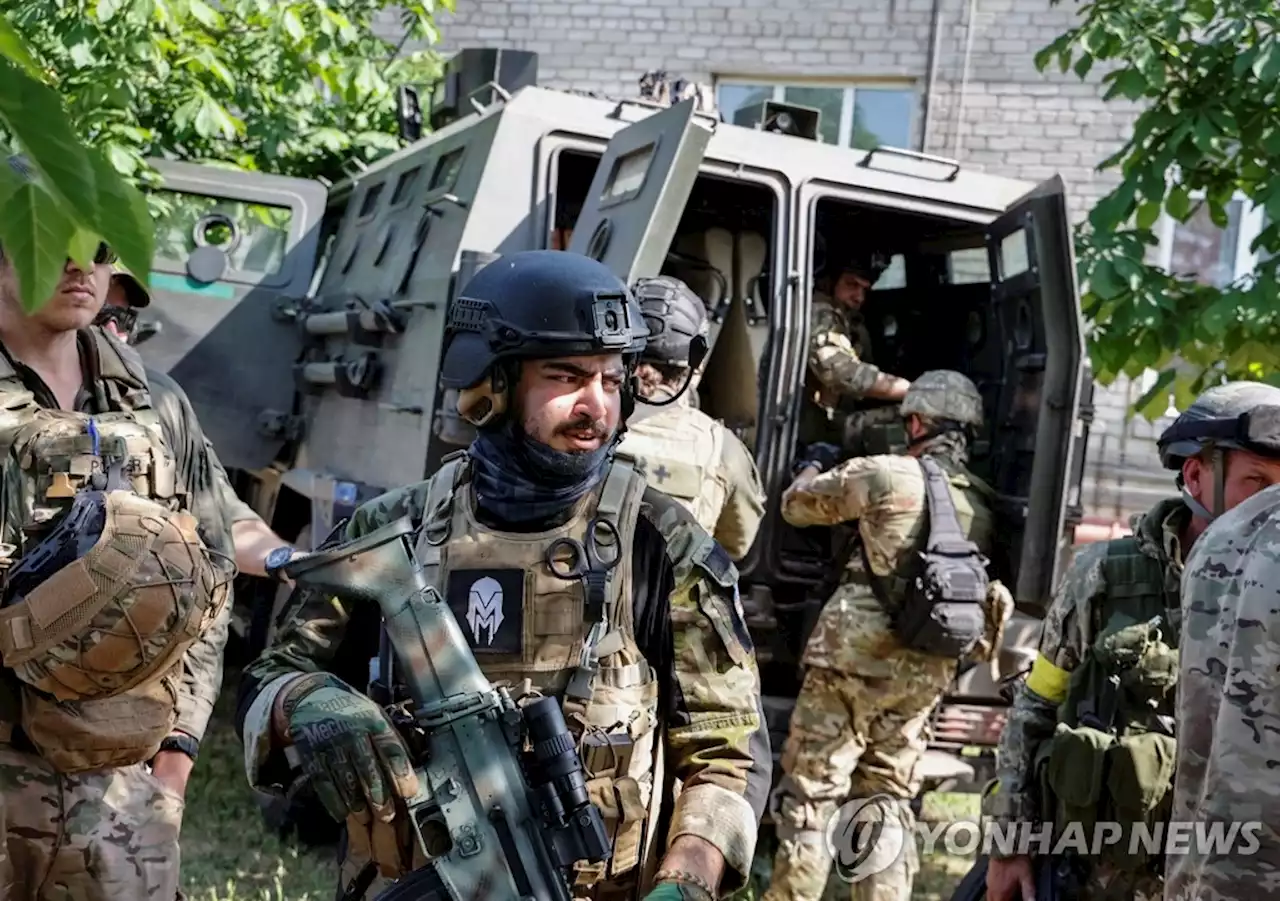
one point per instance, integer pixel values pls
(494, 821)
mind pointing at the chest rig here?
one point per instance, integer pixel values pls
(544, 617)
(678, 451)
(1113, 754)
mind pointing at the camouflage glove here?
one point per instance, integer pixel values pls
(347, 746)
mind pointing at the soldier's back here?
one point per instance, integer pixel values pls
(679, 450)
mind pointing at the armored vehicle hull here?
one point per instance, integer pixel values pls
(312, 354)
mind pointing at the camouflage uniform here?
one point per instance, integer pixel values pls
(107, 834)
(840, 373)
(1228, 722)
(1082, 606)
(858, 727)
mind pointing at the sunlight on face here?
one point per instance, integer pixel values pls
(1246, 475)
(572, 404)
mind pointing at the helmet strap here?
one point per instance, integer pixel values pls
(1217, 461)
(697, 353)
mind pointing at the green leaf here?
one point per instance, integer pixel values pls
(83, 246)
(212, 119)
(1267, 65)
(1155, 400)
(14, 49)
(1083, 65)
(1103, 281)
(126, 225)
(35, 232)
(1178, 203)
(106, 10)
(293, 26)
(205, 14)
(1128, 84)
(1148, 213)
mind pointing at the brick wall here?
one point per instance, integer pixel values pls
(990, 108)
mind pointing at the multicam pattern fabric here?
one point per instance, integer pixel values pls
(110, 835)
(944, 394)
(715, 739)
(1229, 705)
(858, 725)
(839, 352)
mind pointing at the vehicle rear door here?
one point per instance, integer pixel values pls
(232, 248)
(640, 189)
(1038, 434)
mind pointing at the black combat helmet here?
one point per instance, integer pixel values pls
(674, 315)
(538, 304)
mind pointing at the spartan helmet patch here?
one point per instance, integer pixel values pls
(489, 607)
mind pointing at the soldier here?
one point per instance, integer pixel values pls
(841, 374)
(1063, 717)
(252, 537)
(860, 718)
(95, 716)
(543, 346)
(683, 452)
(1228, 725)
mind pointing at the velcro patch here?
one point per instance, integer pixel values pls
(489, 607)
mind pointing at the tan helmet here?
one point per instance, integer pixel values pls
(83, 624)
(944, 394)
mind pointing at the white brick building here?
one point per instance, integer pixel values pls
(954, 78)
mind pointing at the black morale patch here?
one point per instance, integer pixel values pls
(489, 607)
(718, 562)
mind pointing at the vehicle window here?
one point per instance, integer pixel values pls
(895, 276)
(262, 230)
(968, 267)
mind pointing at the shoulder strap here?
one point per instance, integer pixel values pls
(945, 534)
(437, 515)
(122, 369)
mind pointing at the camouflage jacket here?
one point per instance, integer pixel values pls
(203, 475)
(839, 352)
(716, 738)
(885, 494)
(1068, 632)
(1228, 710)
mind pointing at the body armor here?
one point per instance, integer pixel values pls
(112, 583)
(678, 451)
(1112, 756)
(527, 628)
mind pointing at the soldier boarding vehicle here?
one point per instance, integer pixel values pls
(306, 321)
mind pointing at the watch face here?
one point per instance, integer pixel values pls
(279, 557)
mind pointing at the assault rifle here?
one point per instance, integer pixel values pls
(493, 820)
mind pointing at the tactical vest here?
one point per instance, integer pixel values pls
(528, 627)
(1112, 756)
(95, 635)
(679, 452)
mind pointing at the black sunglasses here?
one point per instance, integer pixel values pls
(102, 255)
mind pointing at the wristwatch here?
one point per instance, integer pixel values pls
(182, 742)
(276, 559)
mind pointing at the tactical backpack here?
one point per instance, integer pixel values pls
(940, 609)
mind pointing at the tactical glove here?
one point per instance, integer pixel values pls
(354, 756)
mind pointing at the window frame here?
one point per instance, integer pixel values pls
(1252, 221)
(848, 100)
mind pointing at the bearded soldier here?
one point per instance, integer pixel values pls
(681, 451)
(852, 402)
(655, 655)
(114, 610)
(1100, 696)
(858, 727)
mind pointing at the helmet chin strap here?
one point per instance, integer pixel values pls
(697, 352)
(1218, 462)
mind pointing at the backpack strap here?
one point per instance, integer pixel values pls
(945, 535)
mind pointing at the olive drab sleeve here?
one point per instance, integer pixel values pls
(237, 510)
(1067, 633)
(833, 359)
(744, 505)
(840, 494)
(1228, 708)
(313, 625)
(712, 740)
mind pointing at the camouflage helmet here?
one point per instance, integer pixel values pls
(674, 315)
(111, 598)
(1216, 420)
(943, 394)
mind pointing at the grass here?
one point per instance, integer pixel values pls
(229, 853)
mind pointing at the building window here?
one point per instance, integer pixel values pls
(1213, 256)
(861, 116)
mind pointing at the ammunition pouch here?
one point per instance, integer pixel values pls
(1139, 782)
(1075, 771)
(101, 733)
(110, 599)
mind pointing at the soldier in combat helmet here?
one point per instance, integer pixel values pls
(1228, 722)
(656, 655)
(680, 450)
(843, 384)
(1116, 614)
(859, 722)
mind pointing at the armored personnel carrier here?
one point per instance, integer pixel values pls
(305, 321)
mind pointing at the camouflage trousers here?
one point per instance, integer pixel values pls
(107, 835)
(851, 737)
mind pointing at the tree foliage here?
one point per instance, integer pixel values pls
(289, 87)
(1207, 75)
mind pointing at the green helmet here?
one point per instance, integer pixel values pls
(943, 394)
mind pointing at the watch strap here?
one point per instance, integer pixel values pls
(183, 743)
